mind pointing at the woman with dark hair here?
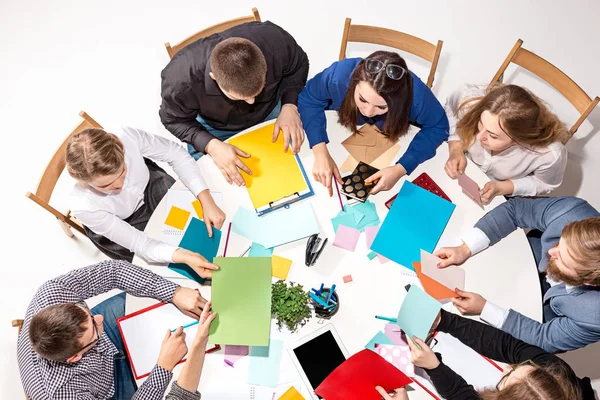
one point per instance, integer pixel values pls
(377, 90)
(533, 374)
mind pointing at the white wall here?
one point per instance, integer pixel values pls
(105, 57)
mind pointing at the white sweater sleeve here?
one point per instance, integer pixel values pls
(547, 177)
(114, 228)
(161, 149)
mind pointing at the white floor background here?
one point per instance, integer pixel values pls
(105, 57)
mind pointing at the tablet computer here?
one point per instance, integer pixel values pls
(317, 355)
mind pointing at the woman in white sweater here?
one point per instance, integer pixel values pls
(119, 186)
(511, 135)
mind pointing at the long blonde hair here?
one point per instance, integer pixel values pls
(523, 116)
(93, 152)
(553, 382)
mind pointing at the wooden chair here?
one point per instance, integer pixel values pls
(552, 75)
(172, 50)
(50, 177)
(18, 323)
(391, 38)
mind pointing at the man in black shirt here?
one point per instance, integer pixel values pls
(231, 81)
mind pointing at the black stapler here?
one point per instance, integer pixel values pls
(314, 248)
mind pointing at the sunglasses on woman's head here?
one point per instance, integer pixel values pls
(393, 71)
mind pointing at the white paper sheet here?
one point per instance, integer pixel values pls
(451, 277)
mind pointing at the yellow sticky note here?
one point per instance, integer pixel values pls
(291, 394)
(177, 218)
(275, 174)
(280, 267)
(198, 208)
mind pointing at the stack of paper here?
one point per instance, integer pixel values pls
(241, 297)
(278, 227)
(359, 216)
(415, 221)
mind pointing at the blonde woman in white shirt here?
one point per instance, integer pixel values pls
(511, 135)
(119, 186)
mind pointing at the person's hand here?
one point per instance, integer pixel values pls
(453, 255)
(457, 161)
(204, 326)
(189, 301)
(495, 188)
(289, 122)
(196, 261)
(387, 178)
(226, 157)
(400, 394)
(172, 350)
(468, 303)
(324, 169)
(213, 215)
(423, 357)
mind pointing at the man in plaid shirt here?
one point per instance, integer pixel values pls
(66, 351)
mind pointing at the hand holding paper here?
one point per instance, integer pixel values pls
(418, 313)
(451, 277)
(422, 356)
(470, 187)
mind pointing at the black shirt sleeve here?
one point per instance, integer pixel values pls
(450, 385)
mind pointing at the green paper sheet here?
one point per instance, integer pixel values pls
(241, 297)
(417, 313)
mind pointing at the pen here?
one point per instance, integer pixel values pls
(245, 251)
(227, 241)
(394, 320)
(186, 325)
(329, 295)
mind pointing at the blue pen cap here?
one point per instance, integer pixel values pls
(334, 304)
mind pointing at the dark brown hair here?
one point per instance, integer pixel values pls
(522, 116)
(94, 152)
(553, 382)
(239, 66)
(398, 94)
(55, 331)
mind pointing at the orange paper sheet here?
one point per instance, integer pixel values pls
(431, 286)
(198, 208)
(275, 174)
(291, 394)
(177, 218)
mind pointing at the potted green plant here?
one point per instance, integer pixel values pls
(289, 305)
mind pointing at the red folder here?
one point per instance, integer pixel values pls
(357, 377)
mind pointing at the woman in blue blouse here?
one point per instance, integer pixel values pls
(378, 90)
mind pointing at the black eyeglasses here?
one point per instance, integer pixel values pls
(95, 341)
(393, 71)
(505, 377)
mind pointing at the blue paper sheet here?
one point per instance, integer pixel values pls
(265, 364)
(343, 218)
(196, 239)
(257, 250)
(277, 227)
(417, 313)
(379, 338)
(416, 221)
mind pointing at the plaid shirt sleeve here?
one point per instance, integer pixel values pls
(155, 386)
(90, 281)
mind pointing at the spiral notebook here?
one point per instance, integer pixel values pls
(183, 198)
(239, 392)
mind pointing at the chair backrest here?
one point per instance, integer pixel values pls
(552, 75)
(52, 173)
(392, 38)
(18, 323)
(172, 50)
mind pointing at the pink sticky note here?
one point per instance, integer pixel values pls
(347, 278)
(398, 356)
(370, 233)
(470, 187)
(346, 237)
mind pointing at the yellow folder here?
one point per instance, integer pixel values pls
(275, 174)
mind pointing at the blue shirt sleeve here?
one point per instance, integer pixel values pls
(325, 91)
(427, 112)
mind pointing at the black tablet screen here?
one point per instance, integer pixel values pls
(319, 357)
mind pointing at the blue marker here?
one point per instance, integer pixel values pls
(330, 292)
(187, 325)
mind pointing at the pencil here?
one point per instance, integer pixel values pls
(338, 192)
(186, 325)
(394, 320)
(227, 241)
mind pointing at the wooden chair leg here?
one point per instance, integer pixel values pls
(66, 228)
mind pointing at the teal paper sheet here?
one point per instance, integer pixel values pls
(416, 221)
(417, 313)
(265, 364)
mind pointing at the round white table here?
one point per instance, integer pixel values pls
(505, 274)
